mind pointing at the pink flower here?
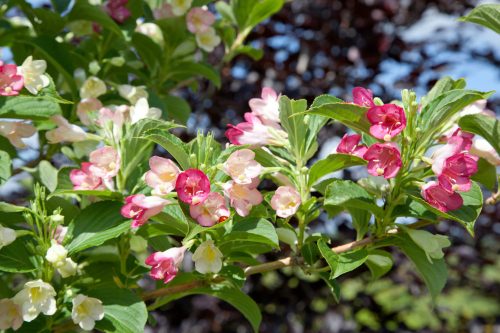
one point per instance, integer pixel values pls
(362, 97)
(105, 162)
(165, 265)
(162, 175)
(285, 201)
(15, 131)
(140, 208)
(192, 186)
(199, 20)
(255, 132)
(117, 10)
(440, 198)
(114, 114)
(242, 167)
(10, 81)
(86, 110)
(457, 171)
(266, 107)
(243, 197)
(387, 121)
(60, 234)
(210, 211)
(84, 179)
(164, 11)
(383, 159)
(350, 145)
(65, 131)
(458, 142)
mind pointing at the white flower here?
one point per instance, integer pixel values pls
(180, 7)
(65, 131)
(36, 296)
(7, 236)
(10, 315)
(208, 39)
(151, 30)
(141, 110)
(56, 254)
(93, 87)
(33, 72)
(86, 311)
(132, 93)
(94, 67)
(67, 268)
(207, 258)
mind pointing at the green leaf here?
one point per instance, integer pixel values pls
(441, 86)
(325, 99)
(7, 147)
(332, 285)
(148, 50)
(103, 194)
(28, 107)
(487, 15)
(485, 126)
(5, 167)
(434, 273)
(173, 220)
(360, 221)
(177, 108)
(173, 145)
(252, 52)
(84, 11)
(341, 263)
(417, 207)
(348, 194)
(486, 174)
(225, 10)
(292, 118)
(332, 163)
(431, 244)
(249, 230)
(379, 262)
(262, 10)
(96, 224)
(351, 115)
(124, 311)
(15, 258)
(241, 10)
(186, 69)
(48, 175)
(10, 208)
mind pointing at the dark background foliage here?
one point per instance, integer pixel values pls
(324, 46)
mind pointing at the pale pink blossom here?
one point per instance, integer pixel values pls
(210, 211)
(362, 97)
(255, 132)
(164, 11)
(162, 176)
(386, 121)
(11, 82)
(84, 179)
(440, 198)
(243, 197)
(383, 159)
(117, 115)
(199, 20)
(192, 186)
(60, 234)
(105, 162)
(165, 265)
(87, 110)
(267, 106)
(456, 172)
(350, 145)
(482, 148)
(65, 131)
(285, 201)
(242, 167)
(141, 208)
(208, 39)
(10, 315)
(15, 131)
(117, 10)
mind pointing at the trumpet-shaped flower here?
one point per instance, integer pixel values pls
(199, 20)
(36, 297)
(285, 201)
(67, 268)
(207, 258)
(10, 315)
(140, 208)
(11, 82)
(87, 110)
(243, 197)
(33, 72)
(93, 87)
(242, 167)
(162, 176)
(383, 159)
(165, 265)
(86, 311)
(457, 170)
(7, 236)
(56, 254)
(117, 10)
(132, 93)
(192, 186)
(84, 179)
(440, 198)
(105, 162)
(362, 97)
(15, 131)
(141, 110)
(180, 7)
(208, 39)
(116, 115)
(65, 131)
(210, 211)
(164, 11)
(267, 106)
(386, 121)
(255, 132)
(350, 145)
(482, 148)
